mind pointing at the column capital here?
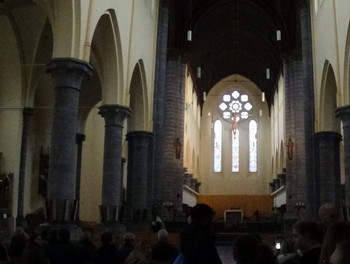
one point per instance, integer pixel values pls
(344, 113)
(114, 114)
(69, 72)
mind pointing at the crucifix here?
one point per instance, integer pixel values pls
(235, 118)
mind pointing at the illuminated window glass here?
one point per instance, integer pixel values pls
(235, 106)
(253, 152)
(235, 151)
(217, 145)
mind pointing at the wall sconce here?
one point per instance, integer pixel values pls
(267, 73)
(263, 97)
(260, 113)
(204, 96)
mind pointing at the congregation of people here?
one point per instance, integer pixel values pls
(324, 242)
(54, 246)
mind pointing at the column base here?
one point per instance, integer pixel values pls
(61, 210)
(110, 213)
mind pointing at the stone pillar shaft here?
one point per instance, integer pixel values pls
(327, 169)
(114, 116)
(344, 114)
(27, 113)
(139, 183)
(172, 165)
(159, 91)
(299, 113)
(68, 75)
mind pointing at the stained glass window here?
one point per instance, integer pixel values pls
(235, 151)
(217, 145)
(236, 108)
(253, 146)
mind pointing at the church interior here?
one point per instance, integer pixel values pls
(118, 112)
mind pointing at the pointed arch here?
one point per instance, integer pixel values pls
(106, 49)
(43, 54)
(328, 100)
(138, 99)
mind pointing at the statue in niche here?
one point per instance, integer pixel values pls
(43, 171)
(178, 147)
(290, 148)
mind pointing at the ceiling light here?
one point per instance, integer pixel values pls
(278, 35)
(189, 35)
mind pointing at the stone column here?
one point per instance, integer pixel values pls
(306, 47)
(68, 74)
(300, 112)
(27, 113)
(139, 183)
(171, 166)
(344, 114)
(159, 92)
(80, 138)
(326, 169)
(295, 130)
(114, 116)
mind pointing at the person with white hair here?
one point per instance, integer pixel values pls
(328, 214)
(163, 251)
(128, 246)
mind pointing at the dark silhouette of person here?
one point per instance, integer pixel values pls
(18, 243)
(163, 250)
(197, 239)
(86, 248)
(108, 252)
(127, 246)
(64, 251)
(33, 253)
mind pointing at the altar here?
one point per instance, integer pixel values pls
(233, 216)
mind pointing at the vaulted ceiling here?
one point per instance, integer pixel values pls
(234, 37)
